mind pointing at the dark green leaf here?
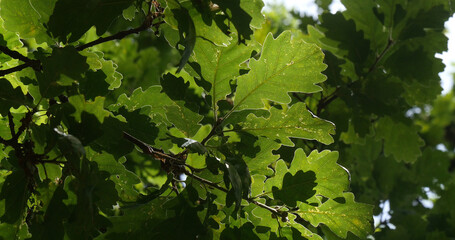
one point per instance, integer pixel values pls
(124, 180)
(71, 148)
(15, 191)
(244, 14)
(400, 140)
(298, 187)
(244, 232)
(63, 68)
(90, 13)
(11, 97)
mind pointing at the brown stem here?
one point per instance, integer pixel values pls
(381, 55)
(25, 123)
(273, 210)
(326, 102)
(211, 134)
(14, 54)
(120, 35)
(14, 69)
(213, 131)
(214, 185)
(329, 99)
(147, 149)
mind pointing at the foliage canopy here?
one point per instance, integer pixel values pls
(177, 119)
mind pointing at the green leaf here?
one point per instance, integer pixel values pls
(94, 85)
(244, 232)
(259, 156)
(341, 218)
(277, 180)
(56, 214)
(15, 191)
(123, 179)
(152, 97)
(431, 168)
(71, 148)
(8, 39)
(298, 187)
(218, 65)
(419, 73)
(305, 232)
(331, 178)
(130, 13)
(244, 14)
(17, 231)
(193, 146)
(192, 21)
(138, 220)
(97, 62)
(62, 68)
(184, 112)
(11, 97)
(181, 14)
(90, 195)
(400, 140)
(347, 42)
(91, 12)
(93, 107)
(362, 14)
(286, 65)
(296, 122)
(27, 18)
(184, 119)
(236, 183)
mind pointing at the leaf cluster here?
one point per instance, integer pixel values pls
(177, 119)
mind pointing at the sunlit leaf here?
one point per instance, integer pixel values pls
(341, 218)
(294, 68)
(27, 17)
(219, 65)
(296, 122)
(400, 140)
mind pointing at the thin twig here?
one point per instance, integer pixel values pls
(147, 149)
(119, 35)
(333, 96)
(381, 55)
(214, 185)
(14, 54)
(213, 131)
(25, 123)
(211, 134)
(54, 161)
(273, 210)
(324, 103)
